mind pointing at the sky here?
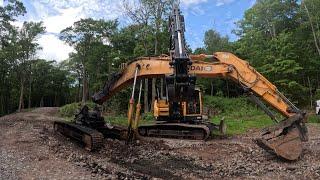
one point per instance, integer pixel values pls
(200, 16)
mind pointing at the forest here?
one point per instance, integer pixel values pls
(280, 38)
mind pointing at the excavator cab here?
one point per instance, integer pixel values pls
(190, 111)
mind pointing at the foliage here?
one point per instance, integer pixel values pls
(215, 43)
(70, 110)
(276, 38)
(17, 49)
(148, 117)
(233, 107)
(239, 114)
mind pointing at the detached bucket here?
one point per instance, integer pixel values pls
(285, 138)
(286, 145)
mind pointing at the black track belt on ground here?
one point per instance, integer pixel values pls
(176, 131)
(91, 138)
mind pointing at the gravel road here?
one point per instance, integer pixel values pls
(29, 149)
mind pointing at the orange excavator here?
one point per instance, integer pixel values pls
(178, 111)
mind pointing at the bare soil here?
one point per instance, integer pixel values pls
(29, 149)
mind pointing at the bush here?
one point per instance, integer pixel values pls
(69, 110)
(148, 116)
(236, 107)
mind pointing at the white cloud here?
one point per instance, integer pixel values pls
(65, 18)
(192, 2)
(59, 14)
(197, 11)
(1, 2)
(53, 48)
(223, 2)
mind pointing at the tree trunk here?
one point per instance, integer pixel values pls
(145, 48)
(41, 102)
(310, 91)
(317, 20)
(55, 99)
(79, 91)
(84, 87)
(212, 88)
(312, 28)
(156, 45)
(30, 90)
(146, 104)
(21, 103)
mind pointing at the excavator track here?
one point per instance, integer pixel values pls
(176, 131)
(92, 139)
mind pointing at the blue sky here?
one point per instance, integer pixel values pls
(200, 15)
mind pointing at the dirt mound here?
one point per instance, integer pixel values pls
(30, 149)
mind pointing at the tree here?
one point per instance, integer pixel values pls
(8, 35)
(313, 18)
(278, 38)
(84, 35)
(214, 42)
(50, 83)
(150, 15)
(26, 48)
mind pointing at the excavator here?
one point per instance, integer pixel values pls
(179, 111)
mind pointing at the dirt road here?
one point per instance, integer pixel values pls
(29, 149)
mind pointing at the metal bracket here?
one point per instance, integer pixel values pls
(258, 102)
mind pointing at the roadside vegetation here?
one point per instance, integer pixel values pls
(239, 114)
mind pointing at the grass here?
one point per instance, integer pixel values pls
(239, 114)
(313, 119)
(236, 125)
(123, 121)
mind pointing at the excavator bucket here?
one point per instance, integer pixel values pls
(285, 139)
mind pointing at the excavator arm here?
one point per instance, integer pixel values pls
(222, 65)
(284, 138)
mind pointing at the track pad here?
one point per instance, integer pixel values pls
(287, 146)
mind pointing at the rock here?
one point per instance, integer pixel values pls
(81, 164)
(111, 177)
(292, 168)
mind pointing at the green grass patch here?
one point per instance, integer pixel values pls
(239, 114)
(123, 121)
(241, 125)
(313, 119)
